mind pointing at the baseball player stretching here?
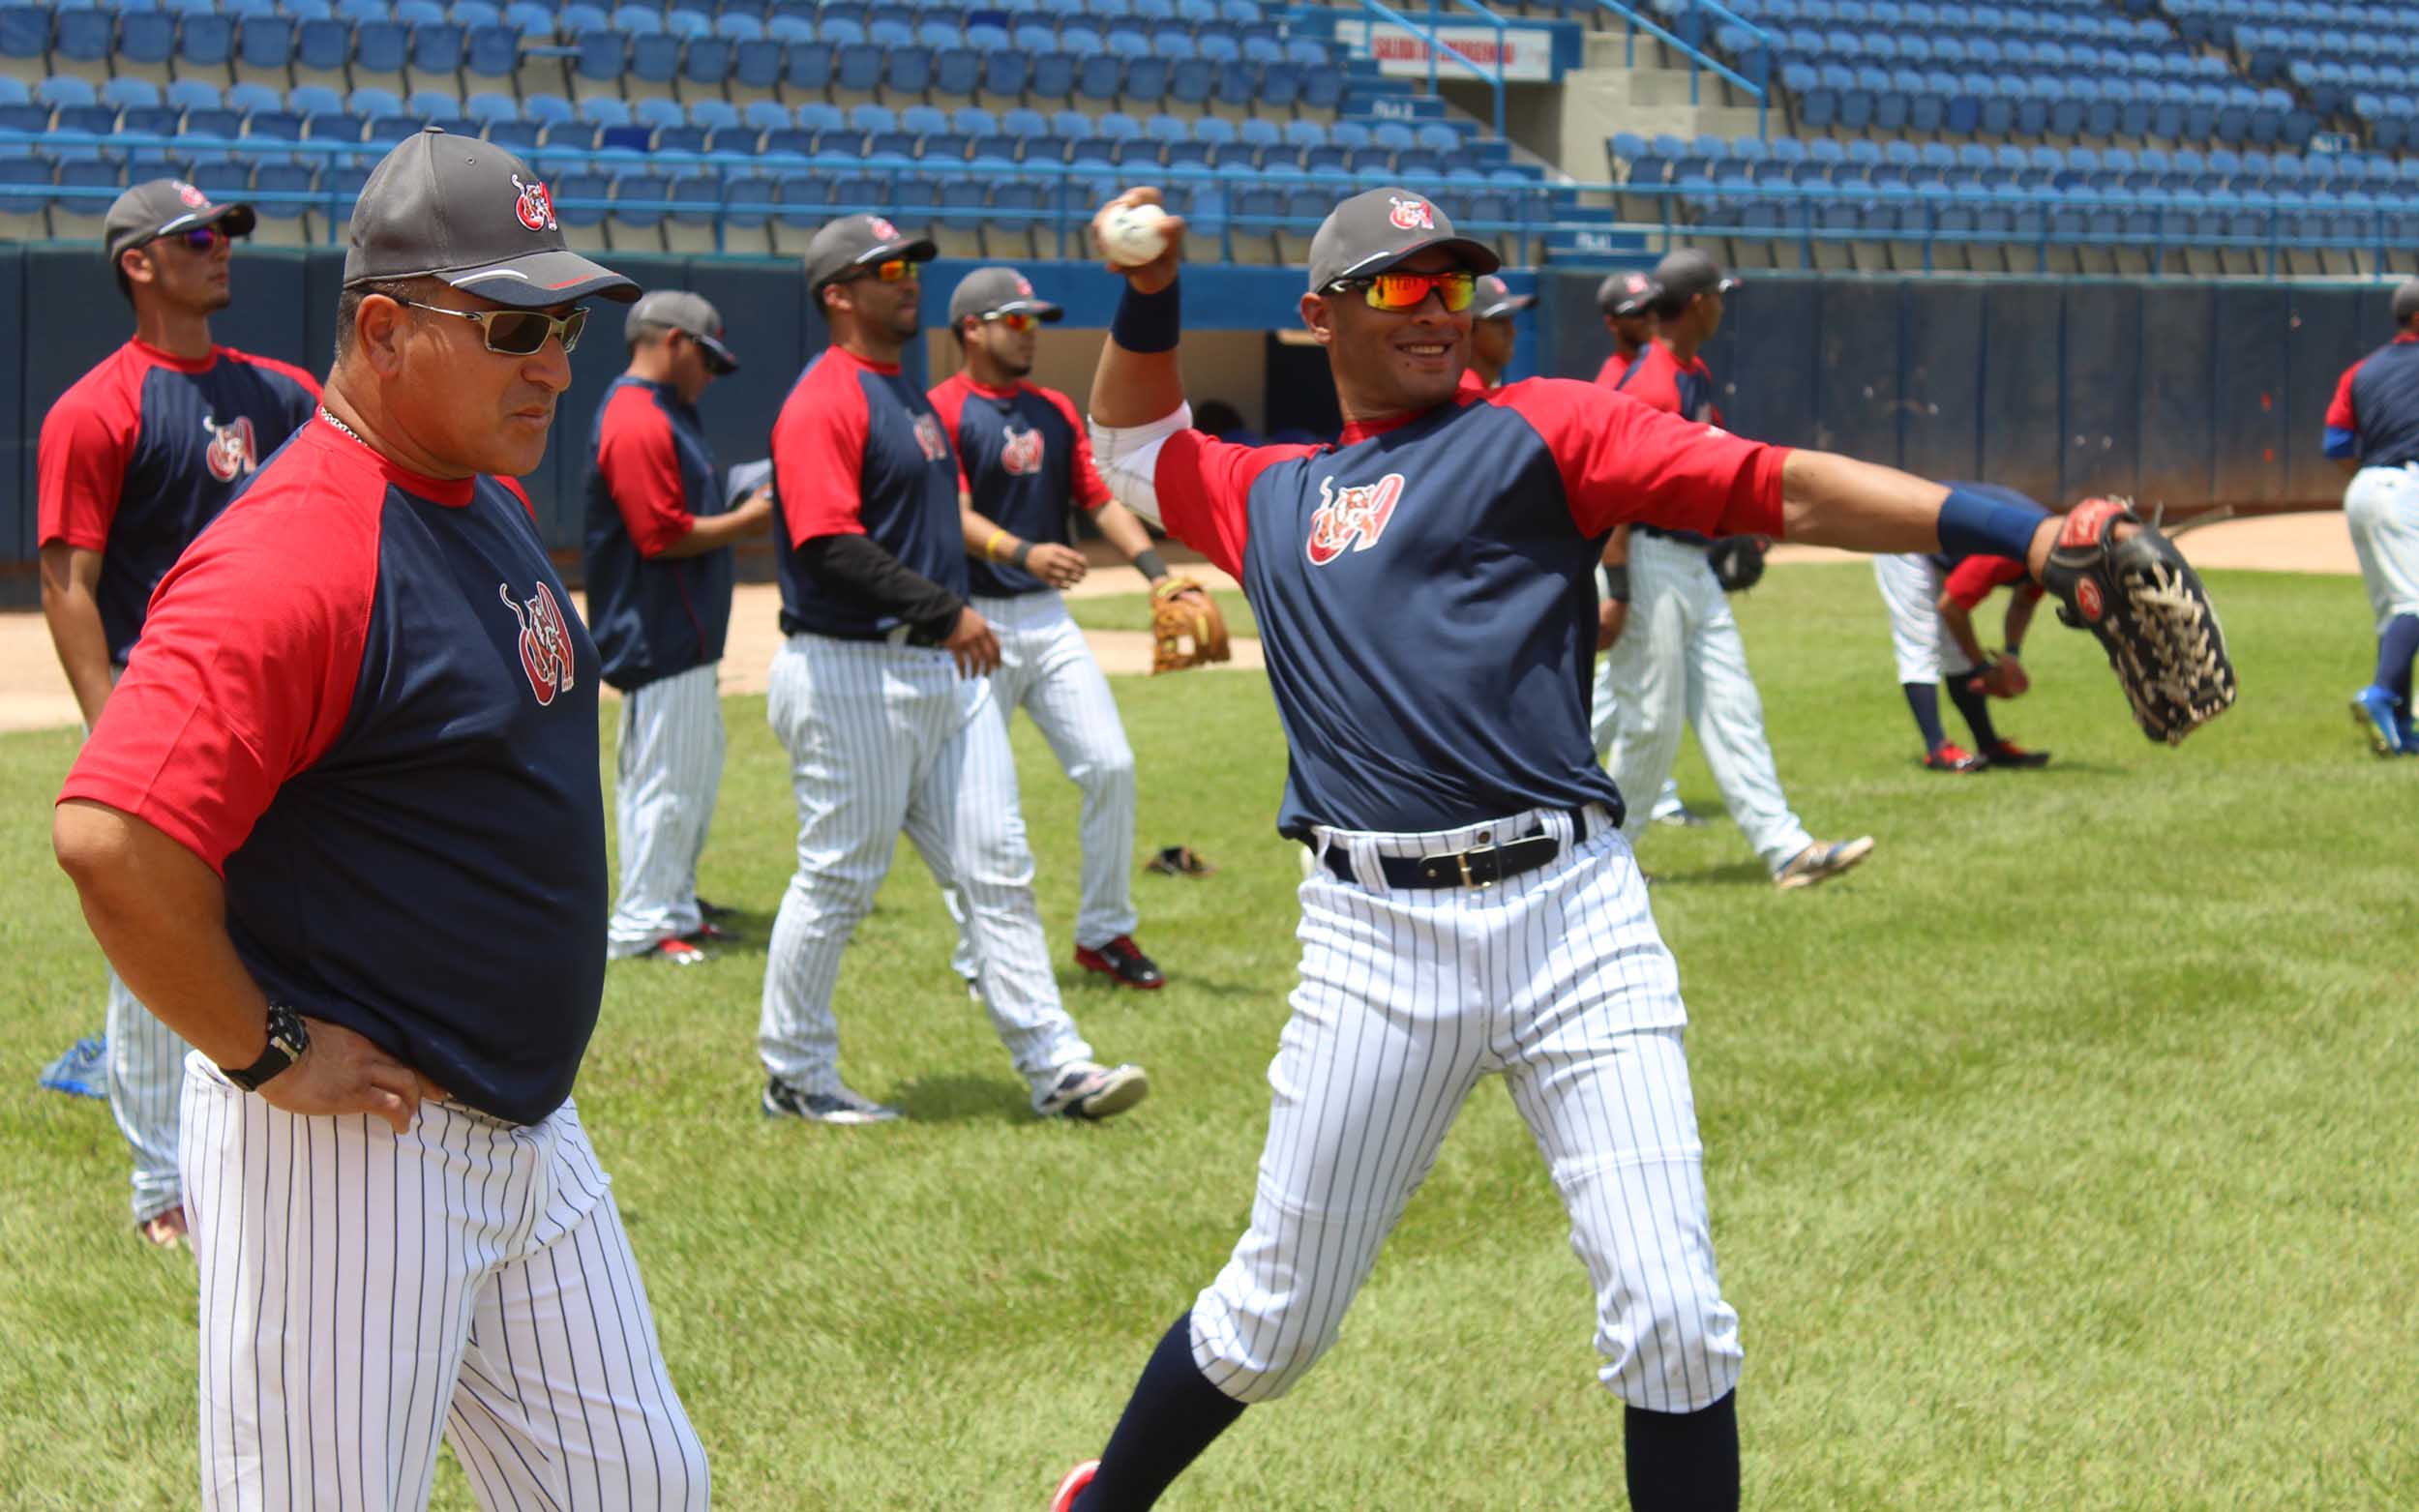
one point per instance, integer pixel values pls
(1426, 605)
(2372, 429)
(135, 458)
(1676, 657)
(658, 554)
(1931, 601)
(340, 827)
(879, 695)
(1025, 460)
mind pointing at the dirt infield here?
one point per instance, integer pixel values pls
(34, 695)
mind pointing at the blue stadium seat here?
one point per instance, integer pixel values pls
(809, 67)
(655, 57)
(438, 48)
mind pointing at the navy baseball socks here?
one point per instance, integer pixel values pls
(1975, 706)
(1923, 701)
(1174, 1414)
(1683, 1461)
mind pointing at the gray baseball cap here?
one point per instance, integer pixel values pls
(165, 207)
(468, 212)
(1496, 301)
(1374, 230)
(1685, 274)
(854, 242)
(691, 315)
(1002, 290)
(1627, 295)
(2406, 301)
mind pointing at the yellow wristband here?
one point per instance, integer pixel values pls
(990, 547)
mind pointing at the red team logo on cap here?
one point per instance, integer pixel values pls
(535, 207)
(546, 650)
(1022, 456)
(192, 197)
(1411, 215)
(232, 450)
(883, 229)
(1352, 519)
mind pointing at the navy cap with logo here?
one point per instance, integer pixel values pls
(999, 291)
(466, 211)
(1627, 295)
(692, 316)
(1496, 301)
(1685, 274)
(1376, 229)
(163, 207)
(854, 242)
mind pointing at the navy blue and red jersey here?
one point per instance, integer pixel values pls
(1428, 587)
(1024, 458)
(2374, 415)
(364, 699)
(650, 477)
(858, 450)
(143, 451)
(1656, 378)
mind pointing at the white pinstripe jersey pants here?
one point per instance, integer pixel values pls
(1047, 670)
(1910, 585)
(883, 737)
(364, 1293)
(667, 775)
(1557, 981)
(146, 1071)
(1680, 664)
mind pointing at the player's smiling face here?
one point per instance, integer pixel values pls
(1389, 362)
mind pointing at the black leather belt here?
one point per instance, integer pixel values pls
(1684, 537)
(1481, 866)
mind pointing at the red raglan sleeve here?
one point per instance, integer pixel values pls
(1971, 580)
(80, 465)
(1625, 461)
(1084, 483)
(2339, 416)
(249, 656)
(1204, 489)
(640, 464)
(818, 455)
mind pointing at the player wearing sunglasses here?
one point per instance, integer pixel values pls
(880, 695)
(658, 551)
(135, 458)
(1026, 465)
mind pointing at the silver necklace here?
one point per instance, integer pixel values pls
(341, 426)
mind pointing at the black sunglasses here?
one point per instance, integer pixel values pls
(517, 333)
(198, 238)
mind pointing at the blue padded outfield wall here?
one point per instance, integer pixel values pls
(2186, 393)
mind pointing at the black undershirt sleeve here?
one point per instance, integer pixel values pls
(859, 568)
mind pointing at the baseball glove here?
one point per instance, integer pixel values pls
(1738, 562)
(2152, 615)
(1186, 629)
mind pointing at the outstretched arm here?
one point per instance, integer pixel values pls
(1135, 387)
(1832, 500)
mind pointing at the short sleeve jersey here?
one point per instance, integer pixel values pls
(1657, 378)
(364, 700)
(145, 449)
(1427, 590)
(1026, 459)
(650, 477)
(858, 450)
(2374, 415)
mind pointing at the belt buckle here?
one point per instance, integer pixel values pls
(1462, 860)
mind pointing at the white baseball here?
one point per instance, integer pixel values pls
(1134, 234)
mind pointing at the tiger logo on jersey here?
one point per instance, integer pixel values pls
(535, 208)
(1021, 454)
(233, 451)
(1351, 519)
(928, 436)
(546, 653)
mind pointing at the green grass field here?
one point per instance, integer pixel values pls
(2062, 1157)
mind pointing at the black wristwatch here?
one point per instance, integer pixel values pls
(288, 1040)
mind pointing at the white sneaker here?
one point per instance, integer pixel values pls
(1088, 1089)
(1819, 862)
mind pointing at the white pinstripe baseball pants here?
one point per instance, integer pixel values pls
(364, 1293)
(1558, 980)
(883, 738)
(665, 778)
(146, 1072)
(1910, 589)
(2381, 510)
(1680, 663)
(1047, 670)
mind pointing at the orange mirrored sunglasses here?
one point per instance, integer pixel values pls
(893, 271)
(1013, 319)
(1401, 291)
